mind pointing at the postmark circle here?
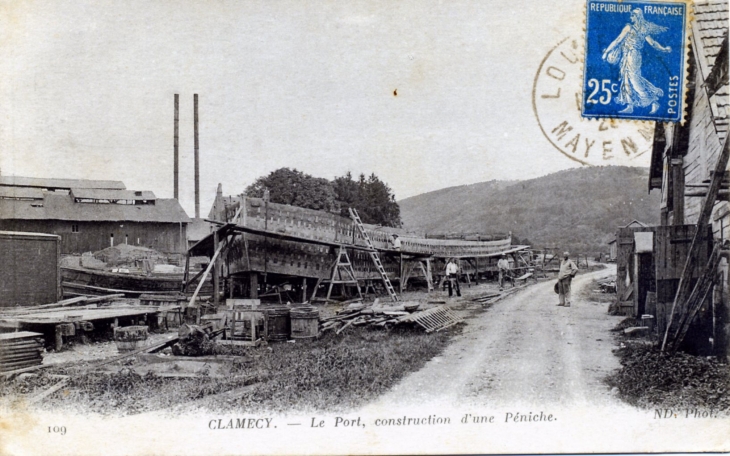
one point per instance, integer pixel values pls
(556, 102)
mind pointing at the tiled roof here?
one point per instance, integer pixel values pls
(709, 29)
(62, 207)
(711, 26)
(20, 181)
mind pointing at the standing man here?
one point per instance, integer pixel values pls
(452, 275)
(503, 266)
(568, 270)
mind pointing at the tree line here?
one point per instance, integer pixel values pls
(373, 198)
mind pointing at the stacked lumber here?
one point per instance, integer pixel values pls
(363, 315)
(377, 316)
(19, 350)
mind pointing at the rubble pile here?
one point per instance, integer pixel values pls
(194, 341)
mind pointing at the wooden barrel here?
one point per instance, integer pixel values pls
(130, 338)
(279, 323)
(304, 322)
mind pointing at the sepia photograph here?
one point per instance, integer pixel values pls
(367, 227)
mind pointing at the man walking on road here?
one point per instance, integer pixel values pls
(568, 270)
(452, 277)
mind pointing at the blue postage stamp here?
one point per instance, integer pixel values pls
(635, 55)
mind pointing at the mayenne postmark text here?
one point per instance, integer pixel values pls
(556, 99)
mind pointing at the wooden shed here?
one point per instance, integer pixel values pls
(689, 167)
(29, 268)
(635, 268)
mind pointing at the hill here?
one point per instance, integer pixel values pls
(578, 209)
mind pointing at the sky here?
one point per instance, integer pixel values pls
(88, 86)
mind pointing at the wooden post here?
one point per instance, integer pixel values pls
(400, 278)
(186, 273)
(216, 271)
(304, 289)
(253, 281)
(476, 270)
(678, 190)
(59, 337)
(59, 284)
(429, 273)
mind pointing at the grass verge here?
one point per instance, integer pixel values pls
(334, 373)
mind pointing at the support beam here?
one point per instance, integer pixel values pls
(716, 181)
(400, 276)
(697, 297)
(677, 165)
(216, 272)
(205, 274)
(186, 273)
(253, 285)
(476, 270)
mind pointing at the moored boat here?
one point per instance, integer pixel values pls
(78, 281)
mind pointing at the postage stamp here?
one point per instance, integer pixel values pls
(556, 99)
(635, 60)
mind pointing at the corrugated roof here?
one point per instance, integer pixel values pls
(62, 207)
(21, 192)
(104, 194)
(20, 181)
(709, 30)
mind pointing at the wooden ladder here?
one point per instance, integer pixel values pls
(342, 264)
(374, 255)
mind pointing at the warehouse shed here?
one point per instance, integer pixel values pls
(89, 218)
(29, 269)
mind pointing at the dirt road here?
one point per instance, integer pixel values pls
(523, 350)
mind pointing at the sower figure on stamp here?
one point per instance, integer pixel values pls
(635, 90)
(568, 270)
(452, 277)
(503, 267)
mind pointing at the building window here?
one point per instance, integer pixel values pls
(75, 228)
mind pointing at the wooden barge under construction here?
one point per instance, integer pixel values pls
(77, 281)
(260, 241)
